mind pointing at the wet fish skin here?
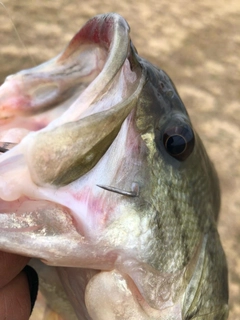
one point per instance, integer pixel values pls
(183, 199)
(158, 253)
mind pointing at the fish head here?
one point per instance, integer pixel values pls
(107, 173)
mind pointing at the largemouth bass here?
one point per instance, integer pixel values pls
(107, 186)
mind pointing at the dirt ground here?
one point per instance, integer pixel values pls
(196, 42)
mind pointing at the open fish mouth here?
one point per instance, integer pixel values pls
(89, 88)
(60, 118)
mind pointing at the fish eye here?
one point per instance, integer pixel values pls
(178, 142)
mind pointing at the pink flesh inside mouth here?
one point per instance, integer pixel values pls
(78, 83)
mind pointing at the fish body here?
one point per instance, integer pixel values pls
(108, 187)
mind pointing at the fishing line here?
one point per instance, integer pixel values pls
(18, 36)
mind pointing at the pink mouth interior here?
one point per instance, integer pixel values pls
(27, 105)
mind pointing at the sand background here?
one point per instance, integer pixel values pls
(196, 42)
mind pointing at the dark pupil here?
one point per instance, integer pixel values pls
(176, 144)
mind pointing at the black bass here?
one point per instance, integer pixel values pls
(105, 183)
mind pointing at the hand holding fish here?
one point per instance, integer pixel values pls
(18, 287)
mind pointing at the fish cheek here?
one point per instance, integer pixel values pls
(175, 223)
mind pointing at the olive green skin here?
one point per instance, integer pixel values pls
(183, 200)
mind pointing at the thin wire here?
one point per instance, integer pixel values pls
(119, 191)
(18, 36)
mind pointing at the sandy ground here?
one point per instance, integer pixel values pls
(196, 42)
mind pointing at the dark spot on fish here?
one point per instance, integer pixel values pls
(132, 57)
(162, 85)
(2, 150)
(5, 146)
